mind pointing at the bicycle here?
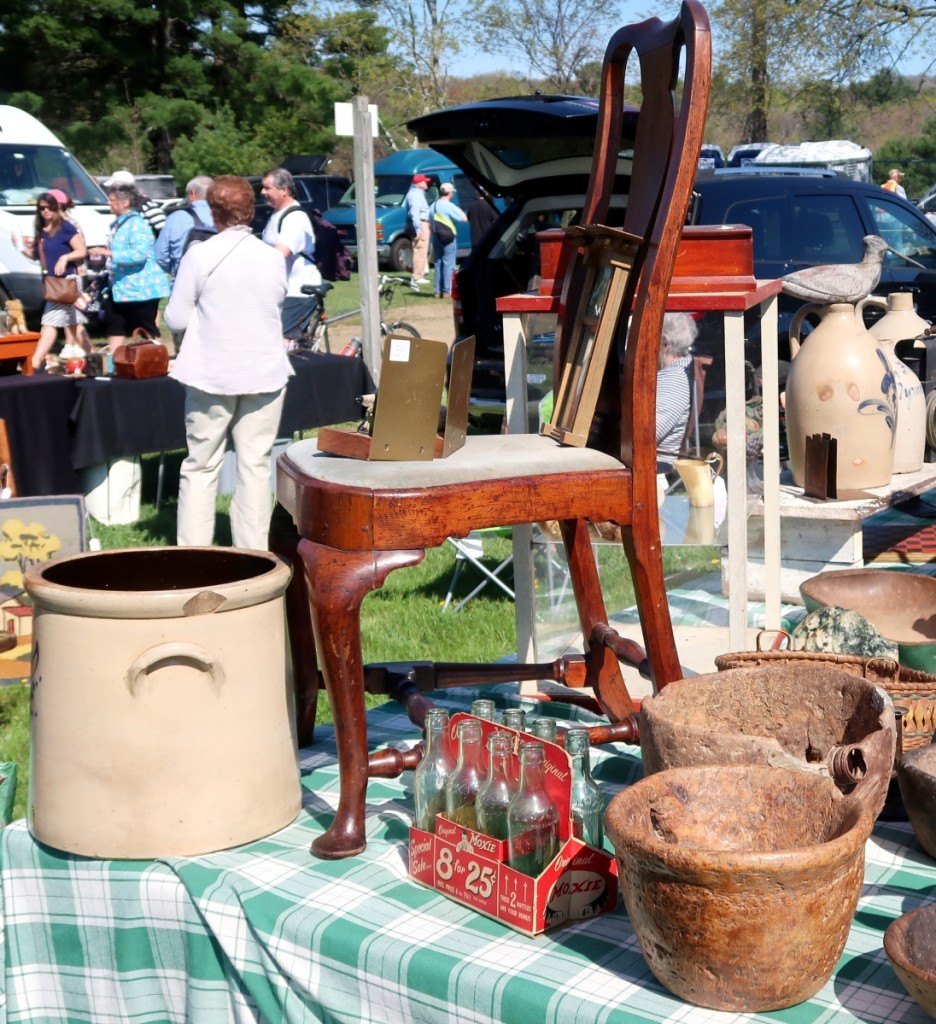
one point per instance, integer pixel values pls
(314, 335)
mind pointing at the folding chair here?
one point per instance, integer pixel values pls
(470, 551)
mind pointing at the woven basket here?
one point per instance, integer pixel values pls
(908, 688)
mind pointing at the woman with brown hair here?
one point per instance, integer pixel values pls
(59, 247)
(226, 298)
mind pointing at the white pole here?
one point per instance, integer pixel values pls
(366, 236)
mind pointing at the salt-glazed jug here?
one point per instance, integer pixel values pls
(840, 383)
(901, 323)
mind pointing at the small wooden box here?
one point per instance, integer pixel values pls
(715, 258)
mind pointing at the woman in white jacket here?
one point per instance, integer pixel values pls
(226, 297)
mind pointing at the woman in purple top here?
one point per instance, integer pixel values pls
(59, 247)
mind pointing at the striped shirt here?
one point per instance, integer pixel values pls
(672, 411)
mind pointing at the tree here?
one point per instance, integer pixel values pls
(916, 156)
(769, 48)
(423, 35)
(556, 42)
(133, 79)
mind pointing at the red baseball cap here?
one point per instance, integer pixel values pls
(418, 179)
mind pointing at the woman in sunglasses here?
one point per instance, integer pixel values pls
(60, 248)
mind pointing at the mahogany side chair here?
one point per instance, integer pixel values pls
(360, 520)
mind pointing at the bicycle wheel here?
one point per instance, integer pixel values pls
(400, 327)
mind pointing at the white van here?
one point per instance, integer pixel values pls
(32, 161)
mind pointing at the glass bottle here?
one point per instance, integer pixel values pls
(544, 729)
(586, 802)
(498, 789)
(461, 789)
(483, 708)
(532, 818)
(514, 718)
(433, 770)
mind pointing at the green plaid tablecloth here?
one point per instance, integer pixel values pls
(266, 932)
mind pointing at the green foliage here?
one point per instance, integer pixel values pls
(14, 739)
(884, 86)
(823, 112)
(218, 147)
(915, 156)
(132, 82)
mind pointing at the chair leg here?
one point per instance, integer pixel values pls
(338, 583)
(283, 541)
(603, 671)
(646, 563)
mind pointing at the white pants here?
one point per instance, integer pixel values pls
(252, 421)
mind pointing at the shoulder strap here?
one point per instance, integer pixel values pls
(193, 213)
(218, 264)
(285, 214)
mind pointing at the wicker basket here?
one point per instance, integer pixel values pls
(908, 688)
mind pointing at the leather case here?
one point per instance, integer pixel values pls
(138, 360)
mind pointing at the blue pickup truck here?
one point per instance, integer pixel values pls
(392, 179)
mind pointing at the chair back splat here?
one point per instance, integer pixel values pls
(350, 523)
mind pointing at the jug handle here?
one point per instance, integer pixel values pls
(175, 651)
(715, 463)
(869, 300)
(797, 322)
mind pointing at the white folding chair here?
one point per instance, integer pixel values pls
(470, 550)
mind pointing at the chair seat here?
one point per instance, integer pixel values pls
(353, 504)
(483, 457)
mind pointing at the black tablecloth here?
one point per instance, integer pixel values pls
(58, 425)
(36, 411)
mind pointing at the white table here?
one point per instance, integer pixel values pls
(825, 535)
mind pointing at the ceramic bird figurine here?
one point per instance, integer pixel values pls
(842, 282)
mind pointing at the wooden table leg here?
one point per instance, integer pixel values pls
(338, 583)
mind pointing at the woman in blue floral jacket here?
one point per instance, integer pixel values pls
(137, 282)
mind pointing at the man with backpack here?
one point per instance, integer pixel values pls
(185, 226)
(290, 232)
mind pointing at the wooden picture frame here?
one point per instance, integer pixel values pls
(608, 254)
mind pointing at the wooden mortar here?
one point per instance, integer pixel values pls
(740, 881)
(789, 716)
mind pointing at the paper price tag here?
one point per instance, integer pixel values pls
(399, 350)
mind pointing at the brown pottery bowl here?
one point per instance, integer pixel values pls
(740, 881)
(789, 716)
(910, 944)
(901, 605)
(916, 773)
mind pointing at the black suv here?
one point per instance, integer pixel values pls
(314, 190)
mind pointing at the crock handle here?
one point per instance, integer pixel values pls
(175, 651)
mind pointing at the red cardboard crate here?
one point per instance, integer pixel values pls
(471, 868)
